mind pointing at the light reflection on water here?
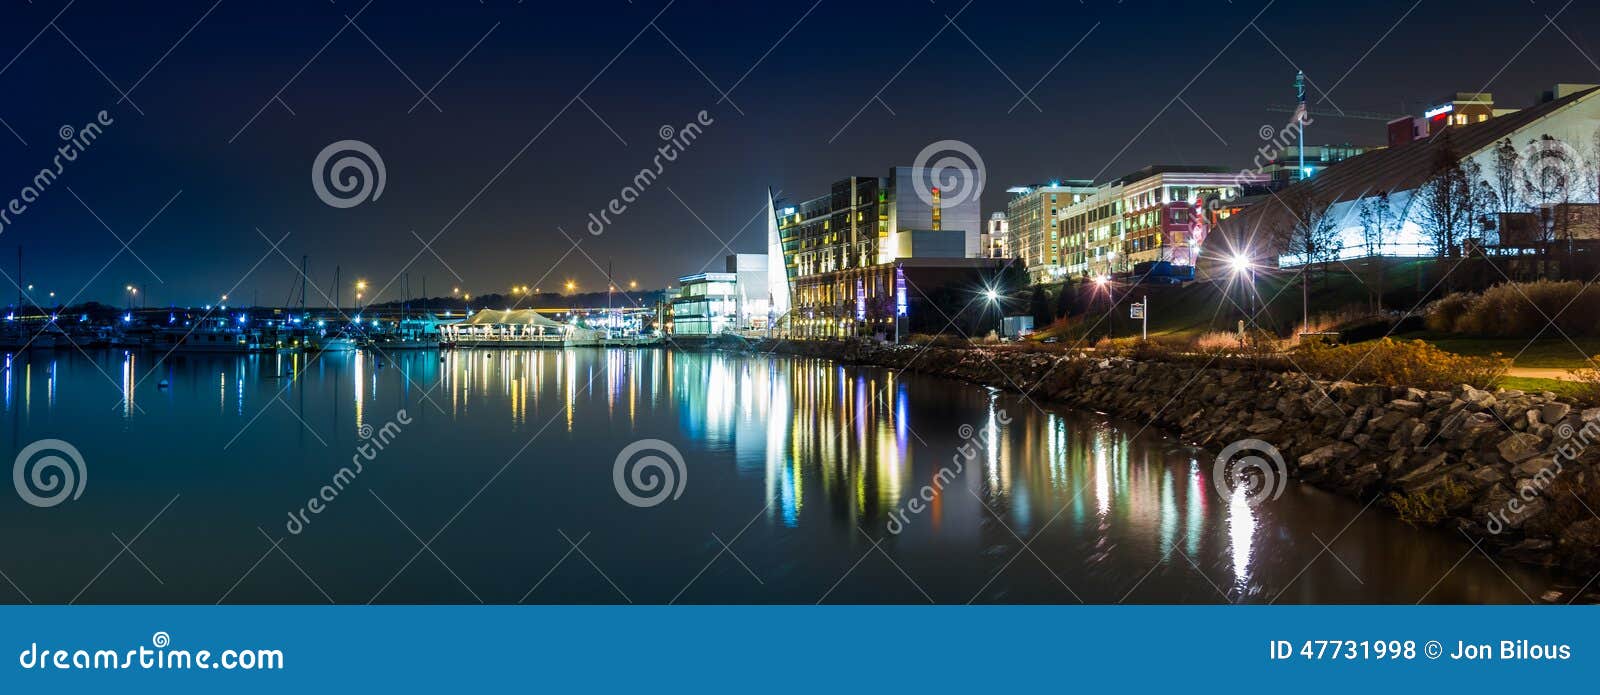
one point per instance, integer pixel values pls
(799, 465)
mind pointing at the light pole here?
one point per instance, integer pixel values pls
(1241, 265)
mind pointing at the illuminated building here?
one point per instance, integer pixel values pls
(706, 304)
(1154, 214)
(1033, 221)
(854, 260)
(1553, 133)
(992, 242)
(711, 303)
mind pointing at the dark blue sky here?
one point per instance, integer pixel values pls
(1097, 116)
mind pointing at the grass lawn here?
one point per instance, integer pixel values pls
(1554, 353)
(1568, 389)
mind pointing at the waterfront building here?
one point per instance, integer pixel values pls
(1033, 225)
(853, 259)
(1553, 134)
(706, 304)
(513, 328)
(738, 299)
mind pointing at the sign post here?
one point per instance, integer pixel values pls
(1141, 310)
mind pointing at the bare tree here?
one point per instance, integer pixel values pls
(1381, 222)
(1311, 234)
(1450, 204)
(1505, 178)
(1553, 177)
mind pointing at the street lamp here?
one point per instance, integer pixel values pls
(1241, 265)
(572, 286)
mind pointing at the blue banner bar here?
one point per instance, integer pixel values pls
(823, 649)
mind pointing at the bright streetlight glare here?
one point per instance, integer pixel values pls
(1239, 263)
(991, 295)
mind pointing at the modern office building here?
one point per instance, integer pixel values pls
(1033, 221)
(848, 256)
(738, 299)
(706, 304)
(1287, 167)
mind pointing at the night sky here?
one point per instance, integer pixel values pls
(510, 155)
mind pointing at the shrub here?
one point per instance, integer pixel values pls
(1401, 363)
(1520, 310)
(1218, 341)
(1444, 316)
(1588, 380)
(1431, 506)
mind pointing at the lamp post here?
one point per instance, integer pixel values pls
(1242, 265)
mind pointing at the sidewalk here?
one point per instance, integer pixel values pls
(1541, 373)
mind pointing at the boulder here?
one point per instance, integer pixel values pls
(1327, 454)
(1555, 412)
(1519, 447)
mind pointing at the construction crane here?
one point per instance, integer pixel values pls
(1321, 112)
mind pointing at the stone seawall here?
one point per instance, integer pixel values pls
(1498, 465)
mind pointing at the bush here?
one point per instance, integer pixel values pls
(1445, 315)
(1519, 310)
(1588, 380)
(1401, 363)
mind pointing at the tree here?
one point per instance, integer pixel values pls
(1039, 306)
(1381, 222)
(1450, 202)
(1505, 178)
(1312, 234)
(1553, 177)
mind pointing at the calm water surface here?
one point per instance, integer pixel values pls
(500, 489)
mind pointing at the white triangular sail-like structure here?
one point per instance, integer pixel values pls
(777, 273)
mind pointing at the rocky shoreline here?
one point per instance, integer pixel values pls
(1498, 465)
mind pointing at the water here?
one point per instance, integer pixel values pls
(496, 484)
